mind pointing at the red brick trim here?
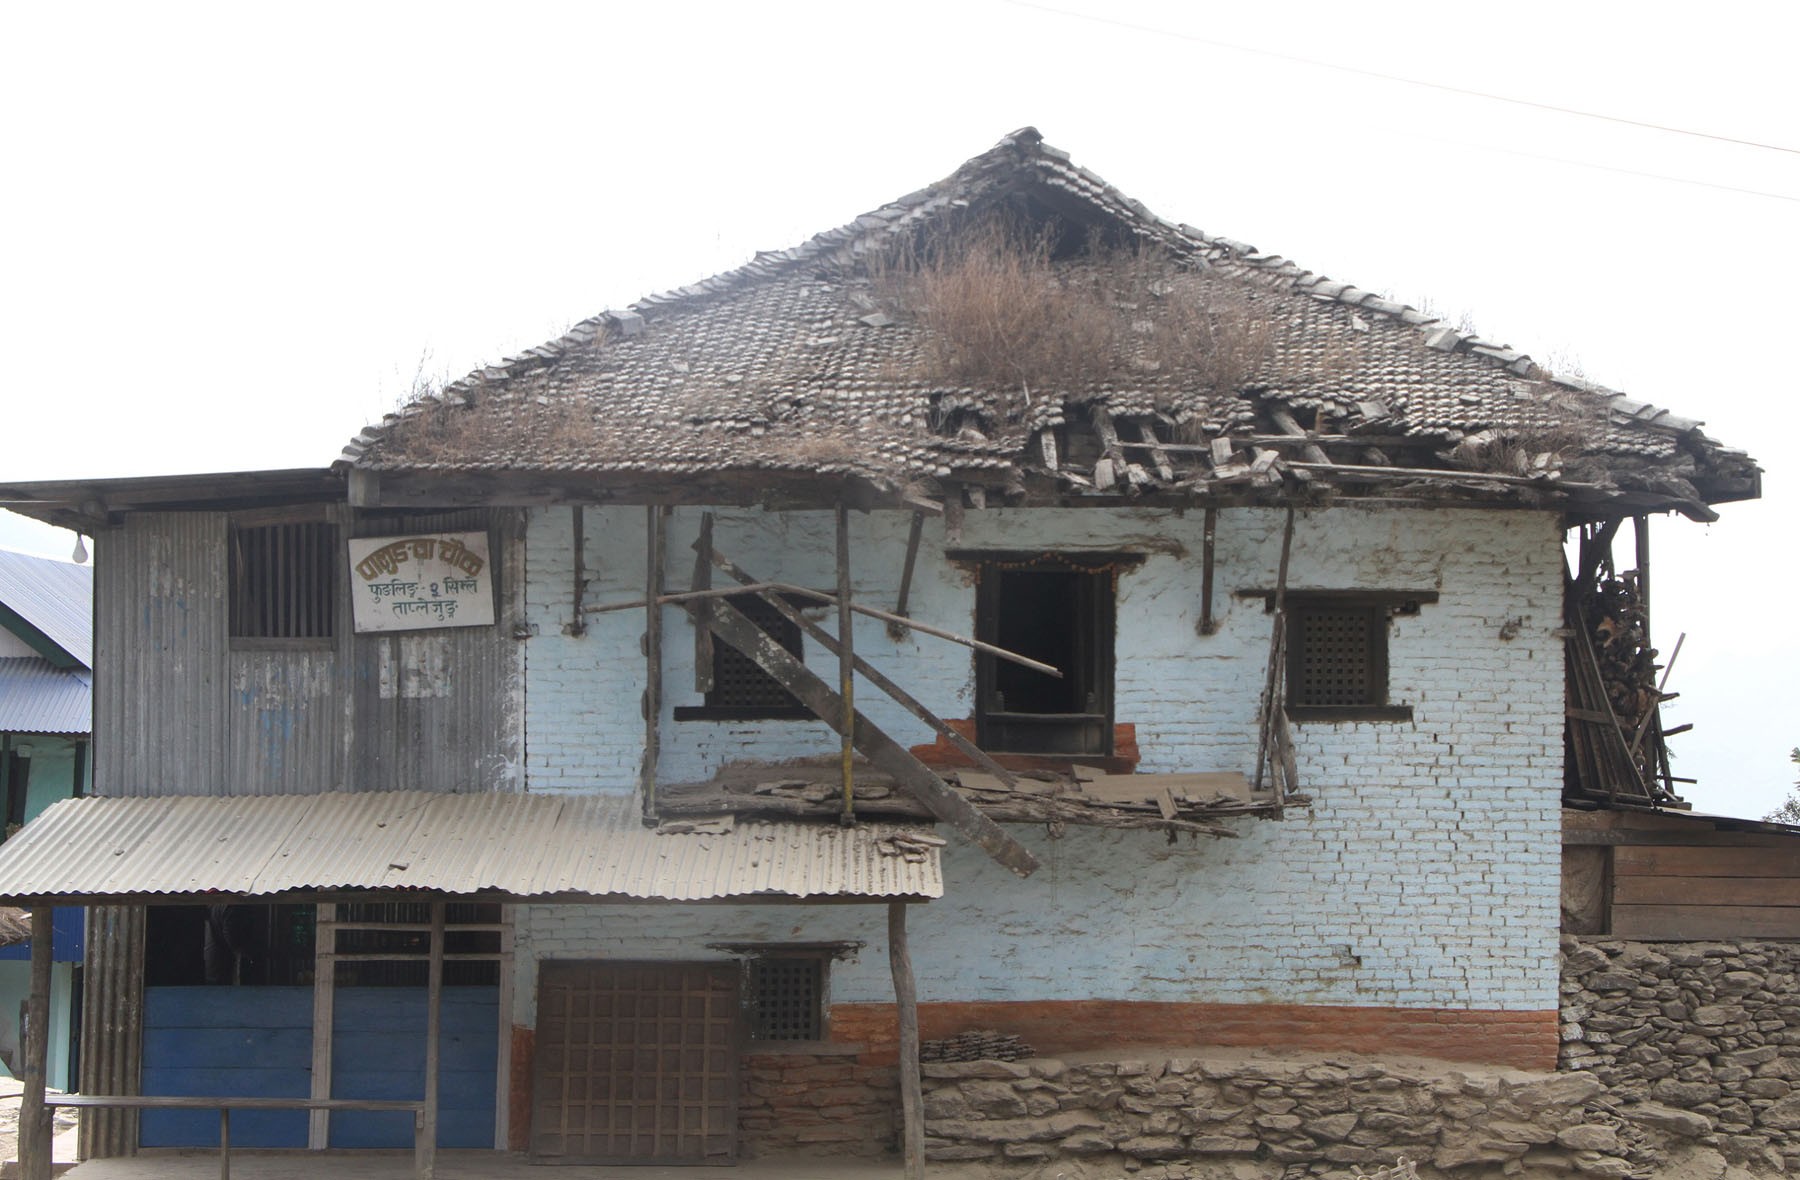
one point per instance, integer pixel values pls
(1524, 1040)
(944, 756)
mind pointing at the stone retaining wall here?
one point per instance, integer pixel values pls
(1322, 1116)
(819, 1102)
(1710, 1027)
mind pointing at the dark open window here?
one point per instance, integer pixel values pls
(1057, 610)
(1337, 654)
(741, 690)
(283, 579)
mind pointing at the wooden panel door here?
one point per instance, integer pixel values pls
(636, 1063)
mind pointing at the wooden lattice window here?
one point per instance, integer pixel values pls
(741, 690)
(1337, 654)
(784, 998)
(283, 580)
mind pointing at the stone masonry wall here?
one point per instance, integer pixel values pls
(1713, 1028)
(1318, 1116)
(821, 1101)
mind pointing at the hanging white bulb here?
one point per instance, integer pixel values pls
(81, 554)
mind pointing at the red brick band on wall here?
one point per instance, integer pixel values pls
(1523, 1040)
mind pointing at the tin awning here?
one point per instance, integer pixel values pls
(500, 847)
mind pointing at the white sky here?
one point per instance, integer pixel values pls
(231, 234)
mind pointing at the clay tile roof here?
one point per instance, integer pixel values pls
(789, 365)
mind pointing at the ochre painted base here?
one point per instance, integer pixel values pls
(1524, 1040)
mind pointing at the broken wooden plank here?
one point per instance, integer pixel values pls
(1285, 421)
(885, 754)
(1164, 470)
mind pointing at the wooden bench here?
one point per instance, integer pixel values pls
(423, 1153)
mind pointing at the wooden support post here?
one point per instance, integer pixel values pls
(653, 588)
(1271, 699)
(1641, 526)
(702, 581)
(578, 527)
(887, 755)
(426, 1148)
(318, 1129)
(906, 1004)
(1209, 542)
(846, 665)
(873, 675)
(34, 1116)
(896, 631)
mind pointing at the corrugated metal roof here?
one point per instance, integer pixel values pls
(55, 597)
(515, 845)
(37, 698)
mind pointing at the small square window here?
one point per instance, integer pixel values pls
(283, 580)
(1337, 656)
(784, 998)
(741, 690)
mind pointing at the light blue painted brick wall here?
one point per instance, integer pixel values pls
(1426, 874)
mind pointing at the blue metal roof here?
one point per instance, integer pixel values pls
(38, 698)
(55, 597)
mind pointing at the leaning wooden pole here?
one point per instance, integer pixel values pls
(34, 1117)
(846, 665)
(1271, 683)
(906, 1004)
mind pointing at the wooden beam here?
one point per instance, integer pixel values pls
(702, 582)
(34, 1116)
(1209, 545)
(874, 676)
(654, 535)
(887, 755)
(1272, 676)
(318, 1128)
(846, 654)
(914, 532)
(906, 1004)
(578, 541)
(425, 1150)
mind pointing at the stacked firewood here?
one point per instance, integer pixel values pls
(978, 1045)
(1616, 619)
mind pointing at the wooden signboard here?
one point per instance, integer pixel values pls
(419, 582)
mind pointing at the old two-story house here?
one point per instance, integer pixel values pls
(1185, 630)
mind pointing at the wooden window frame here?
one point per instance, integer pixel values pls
(323, 583)
(1100, 640)
(1379, 607)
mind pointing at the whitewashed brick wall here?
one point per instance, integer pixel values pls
(1425, 875)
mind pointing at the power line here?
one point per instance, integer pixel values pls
(1488, 147)
(1367, 73)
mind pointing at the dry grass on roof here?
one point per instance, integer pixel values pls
(1000, 311)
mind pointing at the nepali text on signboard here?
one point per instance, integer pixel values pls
(411, 583)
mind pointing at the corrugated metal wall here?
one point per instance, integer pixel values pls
(160, 718)
(181, 709)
